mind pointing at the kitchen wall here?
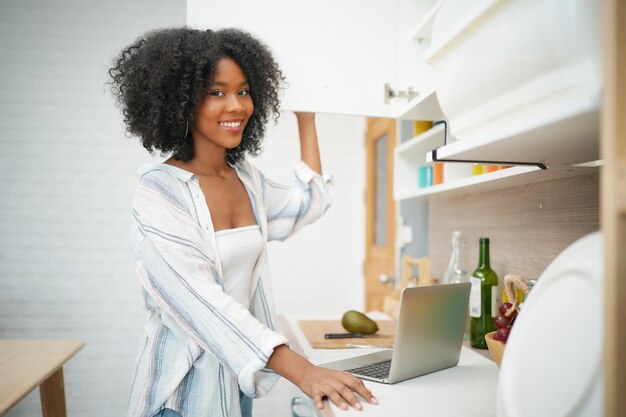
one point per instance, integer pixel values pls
(67, 176)
(528, 225)
(320, 270)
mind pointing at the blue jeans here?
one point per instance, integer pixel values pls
(245, 403)
(166, 412)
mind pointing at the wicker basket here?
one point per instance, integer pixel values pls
(496, 348)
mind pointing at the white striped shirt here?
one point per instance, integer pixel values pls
(200, 345)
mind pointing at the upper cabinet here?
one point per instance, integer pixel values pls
(339, 56)
(519, 80)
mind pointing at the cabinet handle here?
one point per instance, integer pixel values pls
(435, 158)
(386, 279)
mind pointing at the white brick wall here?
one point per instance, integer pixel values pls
(66, 175)
(66, 183)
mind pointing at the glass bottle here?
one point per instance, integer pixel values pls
(483, 304)
(455, 258)
(460, 275)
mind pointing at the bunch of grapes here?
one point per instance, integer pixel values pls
(504, 323)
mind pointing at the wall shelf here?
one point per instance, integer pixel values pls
(417, 147)
(410, 155)
(505, 178)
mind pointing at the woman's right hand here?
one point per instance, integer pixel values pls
(338, 386)
(319, 383)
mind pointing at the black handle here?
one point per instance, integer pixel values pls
(342, 335)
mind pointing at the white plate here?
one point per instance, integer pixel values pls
(552, 364)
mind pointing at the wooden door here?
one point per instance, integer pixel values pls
(380, 215)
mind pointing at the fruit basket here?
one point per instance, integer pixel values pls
(496, 340)
(496, 348)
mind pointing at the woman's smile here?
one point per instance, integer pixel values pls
(233, 126)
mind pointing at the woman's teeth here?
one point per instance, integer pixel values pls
(230, 124)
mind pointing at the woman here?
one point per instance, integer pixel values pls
(202, 220)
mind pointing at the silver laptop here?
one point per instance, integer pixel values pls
(429, 336)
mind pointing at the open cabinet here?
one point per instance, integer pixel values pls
(520, 83)
(354, 48)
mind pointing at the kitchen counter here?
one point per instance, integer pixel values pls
(468, 389)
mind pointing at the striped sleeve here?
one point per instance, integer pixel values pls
(289, 207)
(176, 269)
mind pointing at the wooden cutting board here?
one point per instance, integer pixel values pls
(314, 330)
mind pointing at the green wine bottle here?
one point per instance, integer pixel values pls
(483, 306)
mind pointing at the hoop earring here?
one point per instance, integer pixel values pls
(186, 130)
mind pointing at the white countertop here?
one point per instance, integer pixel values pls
(468, 389)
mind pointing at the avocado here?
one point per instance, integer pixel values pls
(357, 322)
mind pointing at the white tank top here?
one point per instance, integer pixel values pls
(239, 250)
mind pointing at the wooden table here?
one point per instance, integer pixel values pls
(28, 364)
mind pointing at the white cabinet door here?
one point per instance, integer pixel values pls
(337, 55)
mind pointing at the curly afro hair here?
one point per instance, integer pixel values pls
(161, 78)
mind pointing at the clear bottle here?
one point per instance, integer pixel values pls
(483, 305)
(460, 275)
(455, 258)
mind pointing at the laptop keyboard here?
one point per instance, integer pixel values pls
(377, 370)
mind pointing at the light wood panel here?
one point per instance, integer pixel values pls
(528, 225)
(613, 215)
(52, 393)
(26, 364)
